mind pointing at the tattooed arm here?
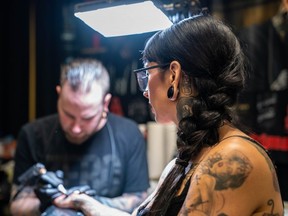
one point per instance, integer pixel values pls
(126, 202)
(88, 205)
(234, 179)
(91, 207)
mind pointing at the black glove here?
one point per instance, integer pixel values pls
(46, 188)
(86, 189)
(53, 178)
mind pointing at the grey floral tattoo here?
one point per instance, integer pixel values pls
(184, 107)
(187, 89)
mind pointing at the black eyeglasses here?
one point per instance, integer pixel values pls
(142, 75)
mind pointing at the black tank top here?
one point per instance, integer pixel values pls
(177, 202)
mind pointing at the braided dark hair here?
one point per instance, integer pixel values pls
(213, 69)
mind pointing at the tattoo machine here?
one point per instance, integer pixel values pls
(31, 176)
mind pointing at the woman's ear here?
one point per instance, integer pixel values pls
(175, 74)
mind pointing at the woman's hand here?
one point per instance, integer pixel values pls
(73, 201)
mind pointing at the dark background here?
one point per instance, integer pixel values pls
(58, 36)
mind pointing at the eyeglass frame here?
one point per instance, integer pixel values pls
(146, 75)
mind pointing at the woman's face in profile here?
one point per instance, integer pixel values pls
(156, 93)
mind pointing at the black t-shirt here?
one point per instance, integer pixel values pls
(113, 161)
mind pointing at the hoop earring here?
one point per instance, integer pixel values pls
(171, 93)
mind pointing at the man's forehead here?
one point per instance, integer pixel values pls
(94, 94)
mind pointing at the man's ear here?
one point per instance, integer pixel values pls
(106, 102)
(58, 89)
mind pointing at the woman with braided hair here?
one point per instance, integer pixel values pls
(193, 74)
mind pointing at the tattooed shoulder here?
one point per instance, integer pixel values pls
(227, 170)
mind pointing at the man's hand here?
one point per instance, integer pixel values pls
(46, 190)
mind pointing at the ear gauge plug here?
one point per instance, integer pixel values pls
(171, 94)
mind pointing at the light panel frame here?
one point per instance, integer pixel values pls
(121, 18)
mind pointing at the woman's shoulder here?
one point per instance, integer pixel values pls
(248, 162)
(243, 148)
(235, 174)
